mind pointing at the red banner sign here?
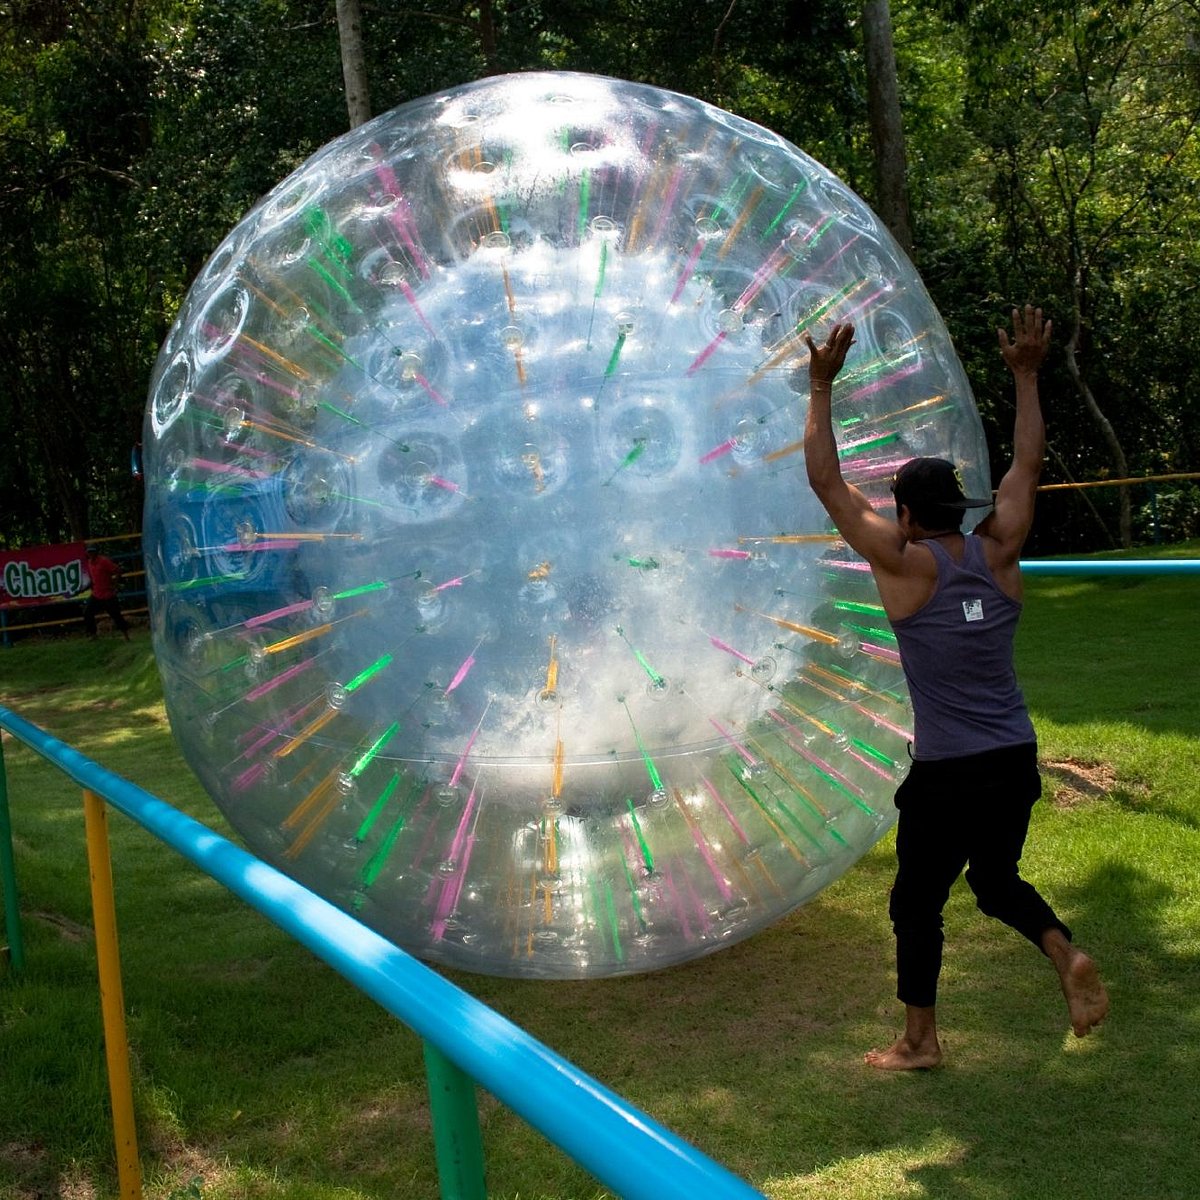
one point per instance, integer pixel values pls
(41, 574)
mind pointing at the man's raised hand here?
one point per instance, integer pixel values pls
(826, 361)
(1026, 350)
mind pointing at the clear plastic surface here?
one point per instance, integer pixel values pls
(488, 593)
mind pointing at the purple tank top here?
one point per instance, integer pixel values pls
(957, 655)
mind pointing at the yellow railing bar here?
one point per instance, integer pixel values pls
(112, 998)
(1091, 483)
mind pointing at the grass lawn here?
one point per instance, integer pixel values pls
(259, 1072)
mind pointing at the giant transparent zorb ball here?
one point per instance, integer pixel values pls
(488, 593)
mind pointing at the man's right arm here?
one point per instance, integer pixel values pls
(879, 541)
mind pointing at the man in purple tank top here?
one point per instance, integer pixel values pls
(953, 601)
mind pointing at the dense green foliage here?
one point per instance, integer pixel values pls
(1052, 157)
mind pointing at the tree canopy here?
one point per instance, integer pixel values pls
(1050, 158)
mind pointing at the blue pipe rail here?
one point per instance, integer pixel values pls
(1110, 566)
(624, 1148)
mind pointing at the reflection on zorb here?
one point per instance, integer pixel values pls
(488, 593)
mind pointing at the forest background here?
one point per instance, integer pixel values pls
(1047, 153)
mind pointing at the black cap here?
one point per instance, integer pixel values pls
(90, 550)
(932, 482)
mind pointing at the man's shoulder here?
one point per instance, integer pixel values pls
(910, 585)
(909, 560)
(999, 553)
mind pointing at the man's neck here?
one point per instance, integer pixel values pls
(924, 535)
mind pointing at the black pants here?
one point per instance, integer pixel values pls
(91, 606)
(971, 812)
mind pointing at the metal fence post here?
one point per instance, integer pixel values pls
(112, 998)
(456, 1137)
(8, 874)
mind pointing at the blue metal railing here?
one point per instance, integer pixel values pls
(1110, 566)
(622, 1147)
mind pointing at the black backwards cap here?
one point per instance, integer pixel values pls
(924, 483)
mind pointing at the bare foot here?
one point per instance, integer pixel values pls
(1087, 1001)
(904, 1055)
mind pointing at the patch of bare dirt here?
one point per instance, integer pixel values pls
(1073, 781)
(34, 694)
(73, 1185)
(28, 1162)
(186, 1171)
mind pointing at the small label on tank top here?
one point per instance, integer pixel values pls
(973, 610)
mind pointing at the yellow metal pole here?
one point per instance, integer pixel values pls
(112, 998)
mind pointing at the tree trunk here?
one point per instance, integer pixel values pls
(1103, 423)
(487, 37)
(64, 450)
(883, 114)
(354, 66)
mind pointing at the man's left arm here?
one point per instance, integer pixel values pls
(1010, 521)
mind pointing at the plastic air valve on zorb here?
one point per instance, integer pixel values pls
(487, 590)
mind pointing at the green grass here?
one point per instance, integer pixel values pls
(261, 1073)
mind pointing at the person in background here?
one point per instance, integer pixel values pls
(104, 574)
(954, 600)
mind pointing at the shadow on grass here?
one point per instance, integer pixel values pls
(740, 1053)
(249, 1050)
(755, 1054)
(752, 1054)
(1025, 1114)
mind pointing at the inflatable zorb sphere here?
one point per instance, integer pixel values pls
(488, 593)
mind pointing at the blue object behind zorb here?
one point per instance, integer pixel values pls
(488, 593)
